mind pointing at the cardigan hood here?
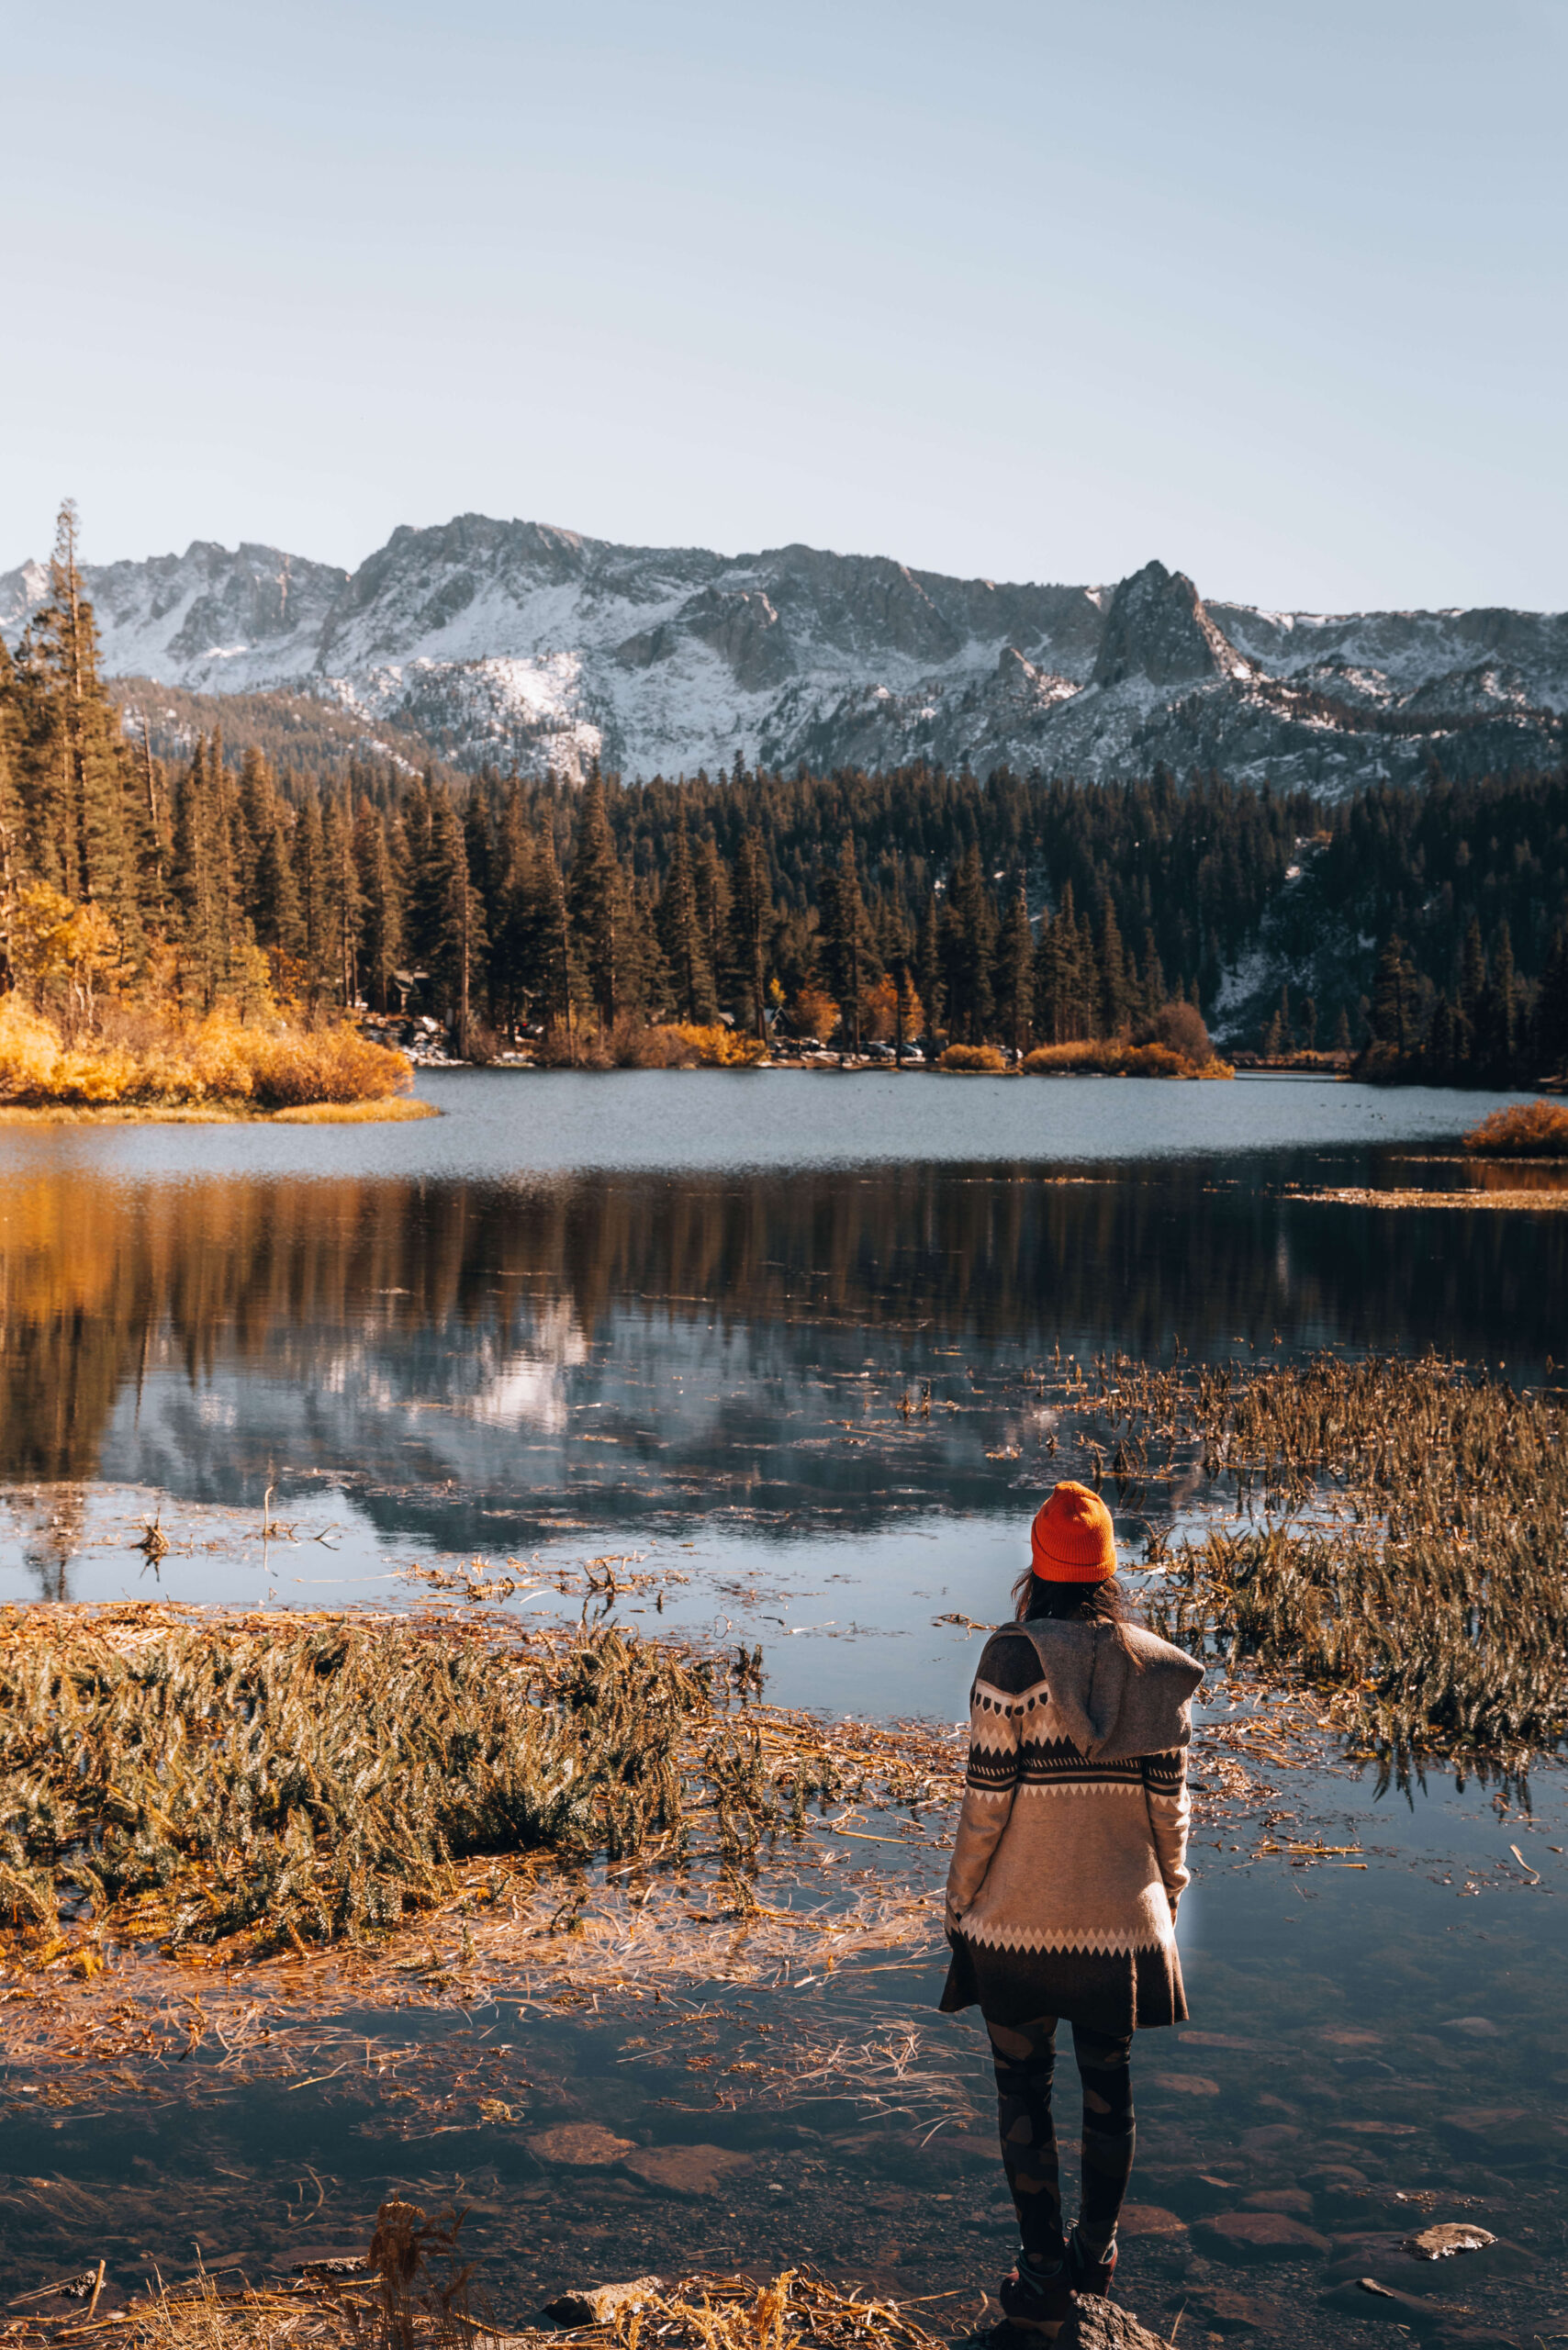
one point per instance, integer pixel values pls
(1113, 1705)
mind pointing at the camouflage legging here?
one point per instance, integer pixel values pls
(1024, 2057)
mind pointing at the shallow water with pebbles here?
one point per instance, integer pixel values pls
(766, 1346)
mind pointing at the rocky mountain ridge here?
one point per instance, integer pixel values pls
(519, 643)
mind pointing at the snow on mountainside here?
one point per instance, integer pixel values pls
(507, 641)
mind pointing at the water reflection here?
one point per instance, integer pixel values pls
(483, 1362)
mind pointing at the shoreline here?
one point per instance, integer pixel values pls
(393, 1110)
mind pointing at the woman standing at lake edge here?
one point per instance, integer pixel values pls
(1061, 1895)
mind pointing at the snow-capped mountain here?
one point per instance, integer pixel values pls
(507, 641)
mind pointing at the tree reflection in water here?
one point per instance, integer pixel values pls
(442, 1343)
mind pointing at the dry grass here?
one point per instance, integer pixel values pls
(392, 1111)
(1412, 1562)
(1526, 1130)
(414, 2292)
(396, 1107)
(262, 1783)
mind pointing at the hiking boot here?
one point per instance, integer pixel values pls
(1088, 2272)
(1037, 2305)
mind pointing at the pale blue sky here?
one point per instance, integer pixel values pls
(1274, 292)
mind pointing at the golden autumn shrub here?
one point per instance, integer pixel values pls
(973, 1059)
(1526, 1130)
(1114, 1056)
(291, 1066)
(719, 1048)
(151, 1057)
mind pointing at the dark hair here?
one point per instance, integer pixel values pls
(1034, 1597)
(1089, 1602)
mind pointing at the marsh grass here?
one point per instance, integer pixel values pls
(407, 2300)
(269, 1783)
(1412, 1557)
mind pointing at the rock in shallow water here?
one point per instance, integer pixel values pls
(1260, 2235)
(685, 2170)
(1227, 2312)
(1294, 2201)
(1366, 2300)
(580, 2145)
(1450, 2236)
(1150, 2220)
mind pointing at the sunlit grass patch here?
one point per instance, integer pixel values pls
(269, 1783)
(354, 1113)
(1397, 1539)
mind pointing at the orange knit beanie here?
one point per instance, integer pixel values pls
(1073, 1539)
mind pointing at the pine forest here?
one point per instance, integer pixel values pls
(1422, 931)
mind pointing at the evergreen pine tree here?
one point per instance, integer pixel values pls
(557, 958)
(1500, 1015)
(73, 767)
(1115, 987)
(1392, 1015)
(515, 926)
(414, 858)
(198, 881)
(273, 905)
(928, 965)
(1472, 982)
(382, 917)
(713, 885)
(848, 947)
(1013, 982)
(598, 901)
(1152, 991)
(13, 841)
(457, 955)
(345, 904)
(681, 933)
(968, 944)
(751, 919)
(1550, 1033)
(315, 905)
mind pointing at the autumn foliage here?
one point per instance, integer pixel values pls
(1527, 1130)
(73, 1034)
(158, 1060)
(1114, 1056)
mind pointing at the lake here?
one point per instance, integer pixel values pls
(772, 1335)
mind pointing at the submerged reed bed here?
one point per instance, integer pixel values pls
(263, 1782)
(1398, 1540)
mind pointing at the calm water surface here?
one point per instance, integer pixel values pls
(769, 1334)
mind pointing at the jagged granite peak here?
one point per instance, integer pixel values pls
(517, 641)
(1156, 628)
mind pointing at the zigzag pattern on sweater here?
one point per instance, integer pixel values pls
(1037, 1761)
(1084, 1941)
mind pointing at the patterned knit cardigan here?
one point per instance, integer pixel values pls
(1071, 1849)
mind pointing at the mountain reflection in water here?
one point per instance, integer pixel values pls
(484, 1361)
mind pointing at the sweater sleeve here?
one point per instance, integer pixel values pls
(991, 1778)
(1170, 1815)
